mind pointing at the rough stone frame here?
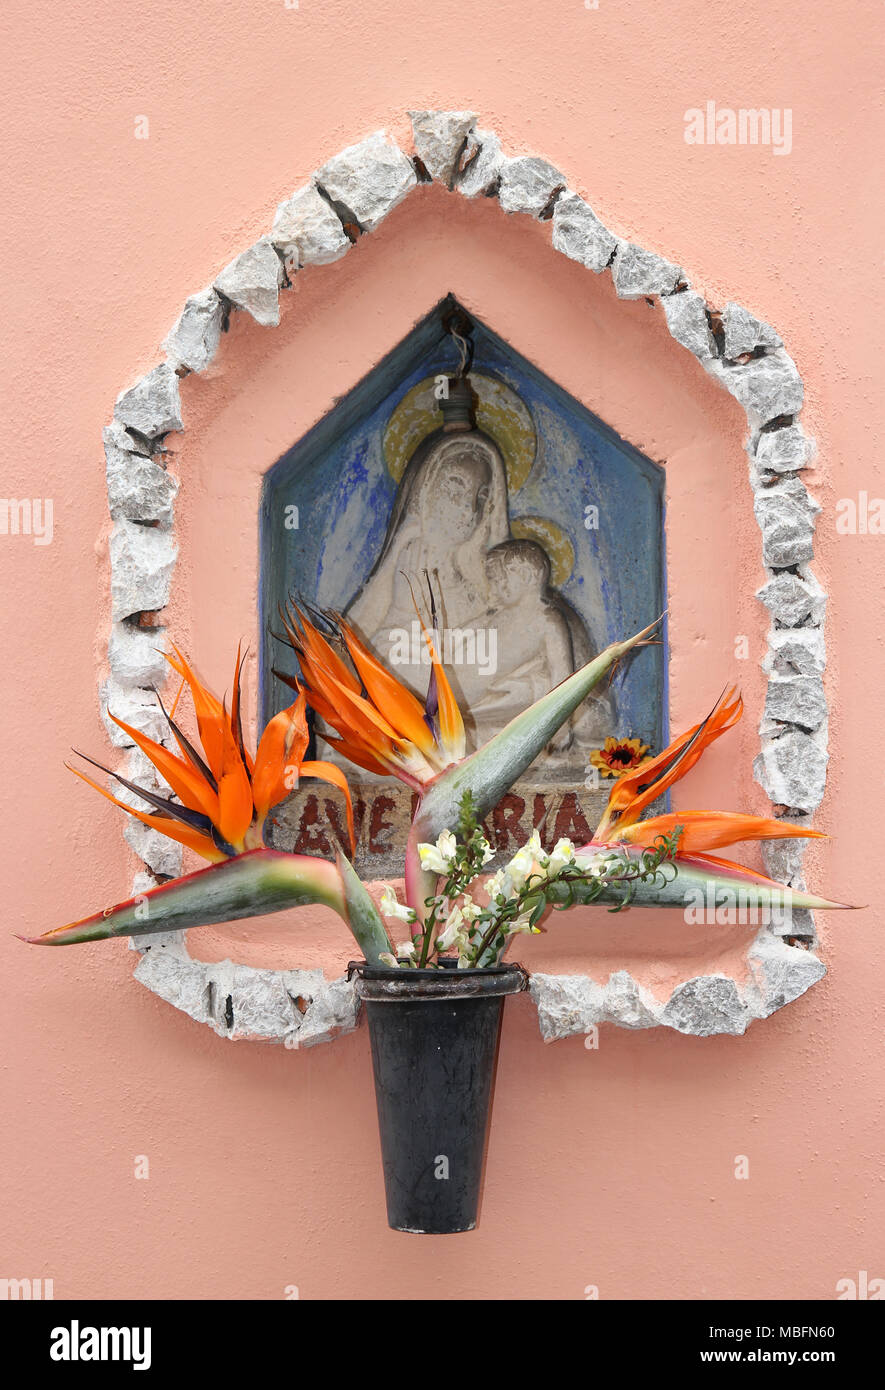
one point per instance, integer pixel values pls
(347, 198)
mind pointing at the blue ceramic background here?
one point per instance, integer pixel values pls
(338, 479)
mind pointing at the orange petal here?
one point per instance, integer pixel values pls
(342, 707)
(358, 753)
(352, 713)
(178, 694)
(336, 696)
(351, 743)
(309, 639)
(637, 789)
(236, 713)
(713, 862)
(387, 693)
(235, 806)
(451, 725)
(328, 772)
(281, 748)
(704, 830)
(211, 716)
(184, 779)
(172, 829)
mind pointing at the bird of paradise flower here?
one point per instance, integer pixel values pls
(224, 796)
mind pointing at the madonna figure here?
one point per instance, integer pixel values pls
(514, 636)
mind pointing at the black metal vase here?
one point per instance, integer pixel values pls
(434, 1036)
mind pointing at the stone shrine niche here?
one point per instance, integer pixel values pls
(542, 533)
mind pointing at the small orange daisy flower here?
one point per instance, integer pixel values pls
(619, 755)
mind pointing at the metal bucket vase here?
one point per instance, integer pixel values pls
(434, 1036)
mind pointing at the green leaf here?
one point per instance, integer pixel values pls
(249, 885)
(489, 772)
(363, 917)
(685, 883)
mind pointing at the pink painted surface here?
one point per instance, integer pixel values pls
(612, 1168)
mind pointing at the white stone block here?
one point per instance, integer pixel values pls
(766, 387)
(566, 1004)
(792, 769)
(368, 180)
(578, 233)
(687, 321)
(481, 165)
(706, 1005)
(794, 598)
(252, 282)
(194, 340)
(796, 651)
(638, 273)
(162, 856)
(174, 977)
(795, 700)
(134, 706)
(153, 405)
(139, 488)
(307, 231)
(783, 451)
(439, 138)
(781, 973)
(528, 184)
(628, 1005)
(136, 655)
(786, 514)
(332, 1009)
(142, 561)
(783, 859)
(744, 332)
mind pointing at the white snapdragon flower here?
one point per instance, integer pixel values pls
(497, 883)
(592, 863)
(524, 862)
(392, 907)
(453, 930)
(387, 959)
(487, 851)
(522, 923)
(439, 858)
(519, 924)
(562, 855)
(407, 949)
(469, 909)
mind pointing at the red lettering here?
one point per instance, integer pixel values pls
(540, 812)
(333, 812)
(571, 822)
(377, 824)
(310, 840)
(505, 820)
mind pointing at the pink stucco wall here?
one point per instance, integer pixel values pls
(612, 1168)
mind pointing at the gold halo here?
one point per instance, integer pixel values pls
(501, 413)
(551, 538)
